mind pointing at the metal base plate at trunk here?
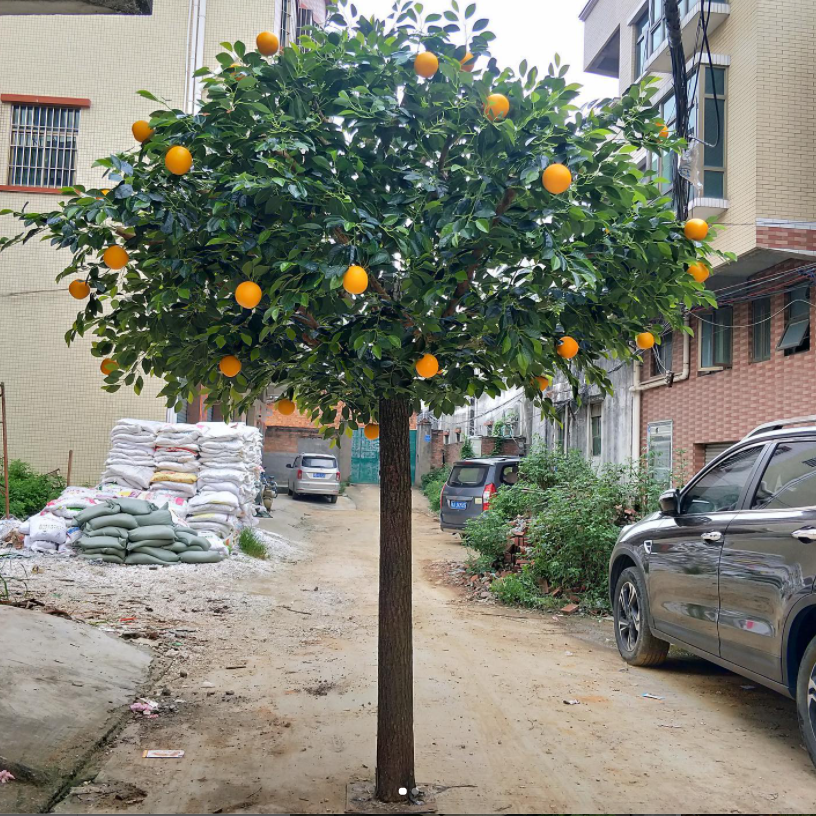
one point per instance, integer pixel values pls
(360, 799)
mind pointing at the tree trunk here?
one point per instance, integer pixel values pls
(395, 713)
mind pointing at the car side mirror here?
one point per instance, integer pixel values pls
(670, 502)
(289, 466)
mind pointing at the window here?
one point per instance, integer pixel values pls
(286, 23)
(713, 127)
(650, 32)
(663, 164)
(43, 145)
(789, 480)
(510, 475)
(761, 329)
(467, 476)
(641, 52)
(720, 488)
(560, 430)
(320, 462)
(662, 355)
(659, 450)
(181, 414)
(796, 337)
(305, 18)
(716, 337)
(596, 412)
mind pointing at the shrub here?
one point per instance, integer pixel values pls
(520, 589)
(545, 467)
(29, 491)
(432, 484)
(467, 451)
(250, 544)
(517, 500)
(487, 536)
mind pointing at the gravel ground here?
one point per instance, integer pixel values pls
(175, 610)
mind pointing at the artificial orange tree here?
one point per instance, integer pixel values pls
(378, 216)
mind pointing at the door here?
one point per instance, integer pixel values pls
(685, 552)
(365, 459)
(769, 559)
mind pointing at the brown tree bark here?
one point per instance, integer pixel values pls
(395, 713)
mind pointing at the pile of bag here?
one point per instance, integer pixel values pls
(134, 531)
(131, 461)
(176, 461)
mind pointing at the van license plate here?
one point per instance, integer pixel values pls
(458, 505)
(318, 475)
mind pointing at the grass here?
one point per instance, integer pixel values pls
(251, 545)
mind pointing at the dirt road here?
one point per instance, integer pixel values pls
(286, 733)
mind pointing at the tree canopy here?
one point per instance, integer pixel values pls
(334, 152)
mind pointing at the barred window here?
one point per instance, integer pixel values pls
(305, 19)
(43, 146)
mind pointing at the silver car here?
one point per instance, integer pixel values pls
(314, 474)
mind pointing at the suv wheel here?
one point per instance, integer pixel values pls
(636, 643)
(806, 698)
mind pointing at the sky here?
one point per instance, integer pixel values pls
(534, 30)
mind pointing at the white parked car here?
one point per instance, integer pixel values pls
(314, 474)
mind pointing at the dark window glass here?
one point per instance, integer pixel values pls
(715, 149)
(789, 481)
(320, 462)
(715, 79)
(761, 320)
(510, 475)
(468, 476)
(796, 336)
(716, 338)
(720, 488)
(714, 184)
(596, 436)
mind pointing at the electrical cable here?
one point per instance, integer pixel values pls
(758, 322)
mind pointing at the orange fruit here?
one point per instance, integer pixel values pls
(427, 366)
(556, 179)
(567, 347)
(285, 406)
(543, 383)
(267, 43)
(355, 281)
(699, 272)
(696, 229)
(496, 107)
(645, 340)
(108, 366)
(664, 132)
(178, 160)
(79, 289)
(426, 64)
(141, 131)
(372, 431)
(115, 257)
(248, 294)
(468, 62)
(229, 365)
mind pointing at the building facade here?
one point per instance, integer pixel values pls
(751, 360)
(79, 100)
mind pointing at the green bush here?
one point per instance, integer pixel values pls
(251, 545)
(467, 451)
(520, 589)
(29, 491)
(487, 536)
(432, 484)
(510, 502)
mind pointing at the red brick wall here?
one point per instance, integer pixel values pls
(299, 420)
(803, 240)
(285, 440)
(725, 405)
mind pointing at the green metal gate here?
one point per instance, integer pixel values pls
(365, 459)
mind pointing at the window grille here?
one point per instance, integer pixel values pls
(43, 146)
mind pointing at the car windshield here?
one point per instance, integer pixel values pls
(468, 476)
(320, 462)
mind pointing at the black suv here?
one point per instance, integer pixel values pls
(726, 569)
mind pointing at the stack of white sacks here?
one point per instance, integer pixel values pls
(131, 461)
(177, 465)
(227, 480)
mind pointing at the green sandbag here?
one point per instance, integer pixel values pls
(155, 532)
(161, 553)
(122, 520)
(113, 532)
(111, 559)
(192, 539)
(177, 547)
(144, 558)
(95, 511)
(95, 542)
(186, 530)
(135, 507)
(156, 517)
(155, 543)
(197, 557)
(120, 554)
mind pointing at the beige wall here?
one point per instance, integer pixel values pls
(54, 399)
